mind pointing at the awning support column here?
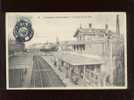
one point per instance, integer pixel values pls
(84, 71)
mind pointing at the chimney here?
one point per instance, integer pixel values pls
(117, 25)
(106, 26)
(80, 26)
(90, 25)
(57, 40)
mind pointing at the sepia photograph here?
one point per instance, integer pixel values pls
(66, 50)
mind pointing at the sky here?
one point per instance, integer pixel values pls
(49, 26)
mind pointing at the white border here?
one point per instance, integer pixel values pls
(67, 88)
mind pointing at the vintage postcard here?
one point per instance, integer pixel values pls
(66, 50)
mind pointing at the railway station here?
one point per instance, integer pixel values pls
(93, 59)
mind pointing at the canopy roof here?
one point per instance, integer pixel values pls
(75, 59)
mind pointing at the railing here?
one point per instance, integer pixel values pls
(92, 77)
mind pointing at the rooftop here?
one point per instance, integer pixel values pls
(75, 59)
(87, 31)
(83, 42)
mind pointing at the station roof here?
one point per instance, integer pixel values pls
(84, 42)
(92, 31)
(75, 59)
(89, 31)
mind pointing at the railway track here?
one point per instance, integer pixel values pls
(43, 75)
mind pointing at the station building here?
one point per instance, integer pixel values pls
(93, 56)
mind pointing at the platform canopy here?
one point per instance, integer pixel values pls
(78, 59)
